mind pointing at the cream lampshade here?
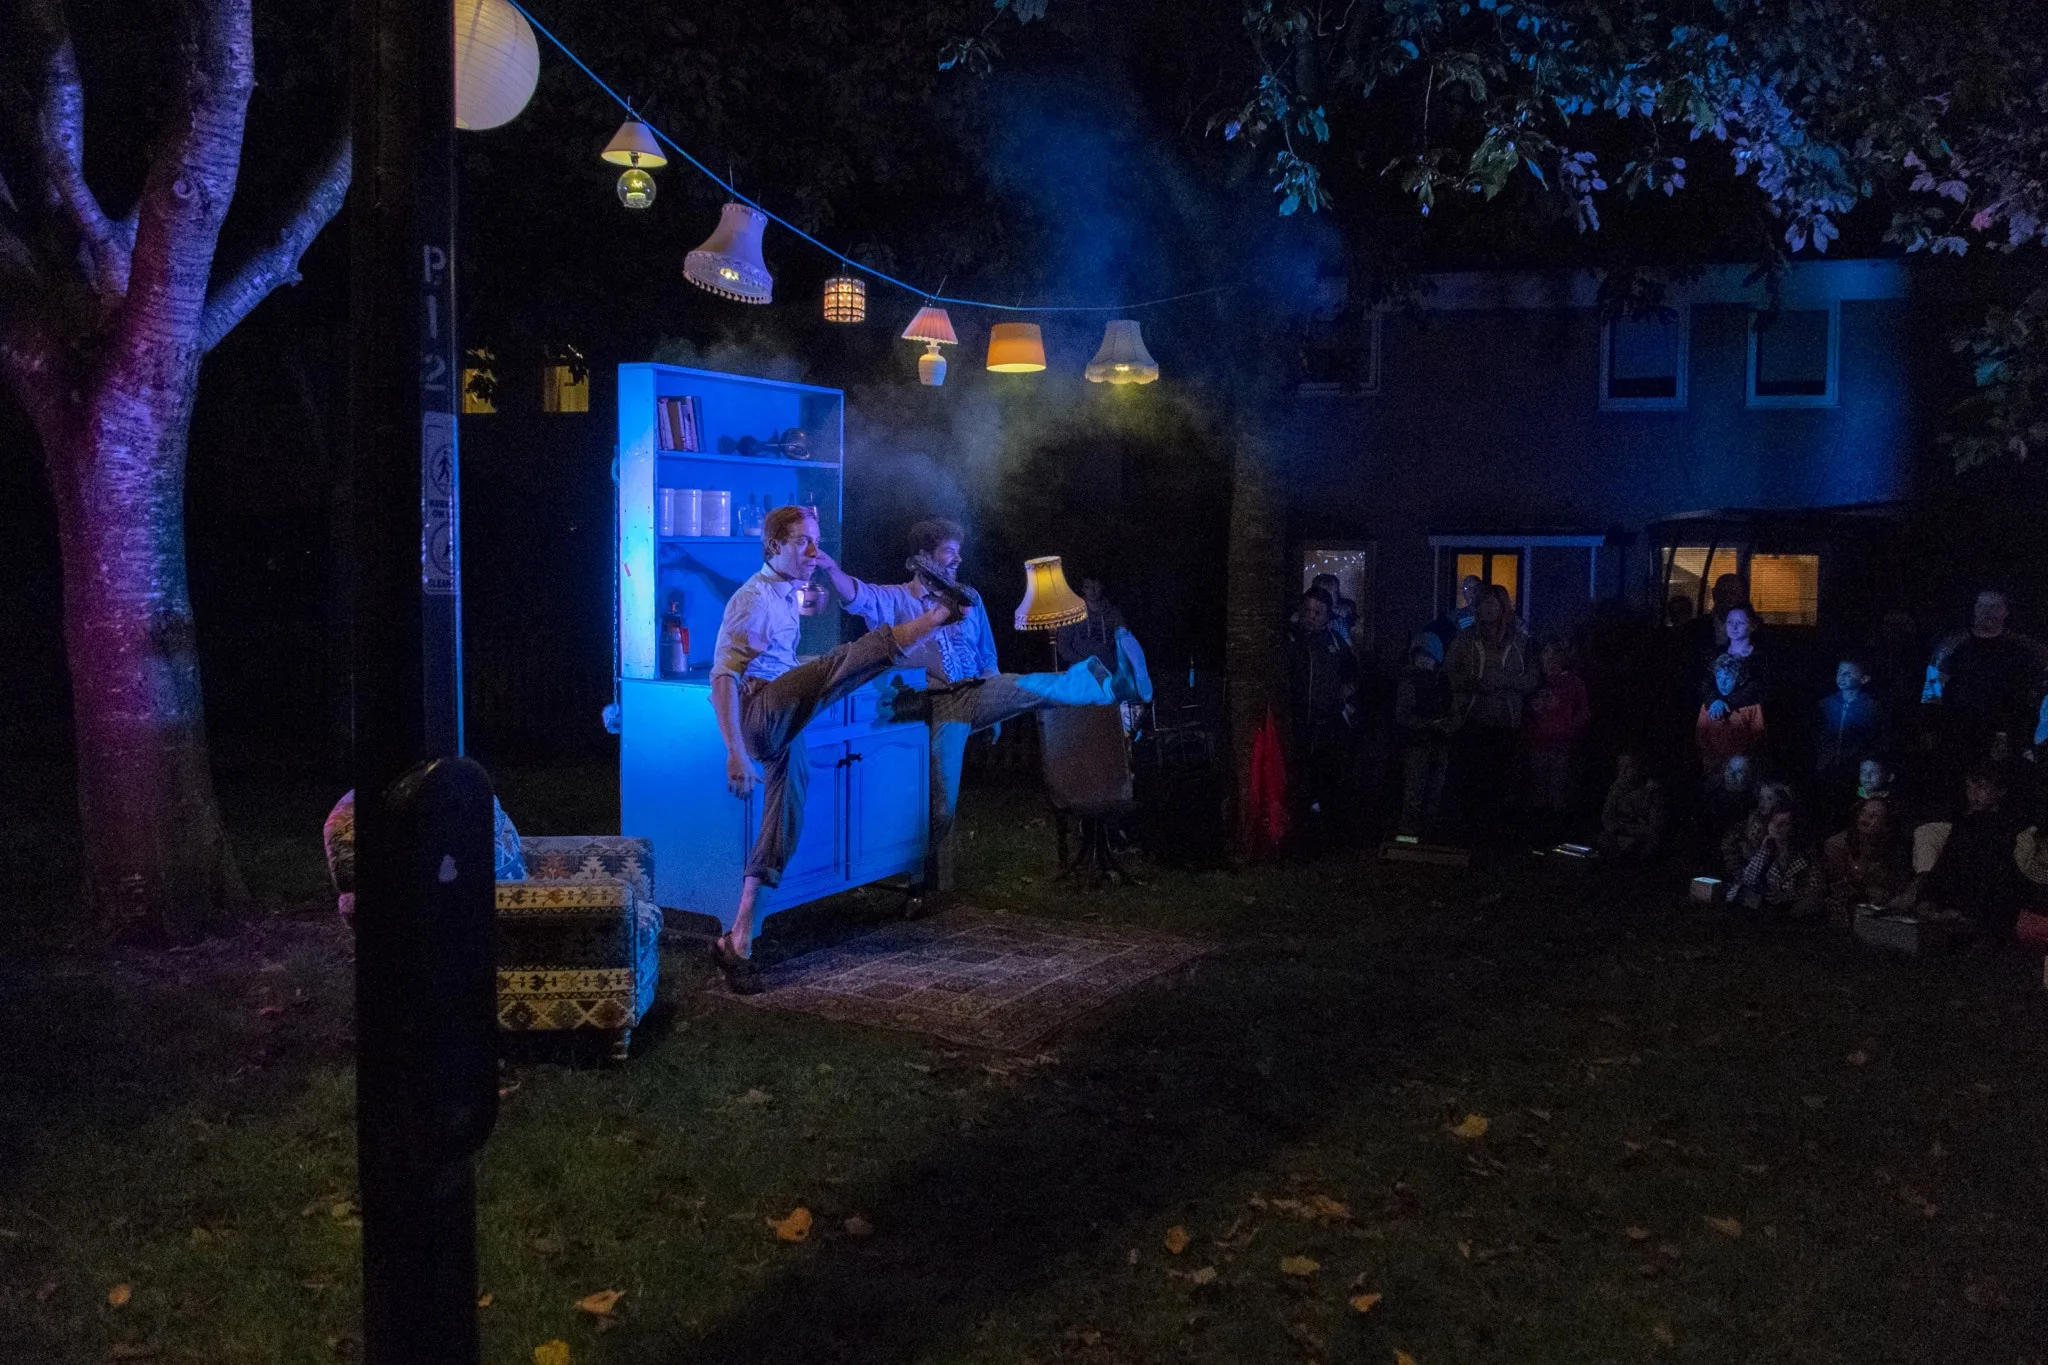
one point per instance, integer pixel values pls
(634, 145)
(934, 328)
(1016, 348)
(729, 263)
(497, 63)
(1048, 602)
(1123, 358)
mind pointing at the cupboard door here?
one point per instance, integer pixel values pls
(817, 866)
(888, 780)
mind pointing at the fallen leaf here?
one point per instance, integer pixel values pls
(1177, 1239)
(1473, 1126)
(1364, 1302)
(1661, 1333)
(795, 1228)
(48, 1288)
(130, 1350)
(551, 1353)
(1727, 1227)
(1322, 1206)
(484, 1300)
(1206, 1275)
(600, 1304)
(1543, 1114)
(755, 1097)
(857, 1226)
(548, 1246)
(1403, 1358)
(1814, 1101)
(1637, 1234)
(118, 1296)
(1299, 1265)
(1858, 1058)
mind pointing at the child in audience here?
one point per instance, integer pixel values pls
(1850, 722)
(1774, 876)
(1422, 712)
(1632, 816)
(1744, 836)
(1730, 724)
(1865, 864)
(1558, 716)
(1976, 874)
(1728, 801)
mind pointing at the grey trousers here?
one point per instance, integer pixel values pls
(956, 713)
(773, 715)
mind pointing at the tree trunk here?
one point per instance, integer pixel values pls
(157, 863)
(1254, 644)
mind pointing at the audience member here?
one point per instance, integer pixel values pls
(1343, 611)
(1768, 873)
(1975, 873)
(1866, 864)
(1422, 713)
(1462, 614)
(1728, 801)
(1986, 679)
(1747, 831)
(1322, 679)
(1731, 723)
(1490, 674)
(1632, 816)
(1559, 715)
(1708, 634)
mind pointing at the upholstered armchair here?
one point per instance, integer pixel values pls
(578, 938)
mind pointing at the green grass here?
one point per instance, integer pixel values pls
(181, 1123)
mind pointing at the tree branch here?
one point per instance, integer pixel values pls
(60, 129)
(278, 263)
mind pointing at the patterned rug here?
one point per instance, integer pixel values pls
(993, 981)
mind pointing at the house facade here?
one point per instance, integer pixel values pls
(1502, 427)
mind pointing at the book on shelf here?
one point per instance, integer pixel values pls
(677, 423)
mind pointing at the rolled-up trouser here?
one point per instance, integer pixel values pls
(772, 719)
(957, 712)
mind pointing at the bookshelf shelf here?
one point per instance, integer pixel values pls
(768, 461)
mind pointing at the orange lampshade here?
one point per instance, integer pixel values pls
(846, 299)
(1048, 602)
(933, 325)
(1015, 348)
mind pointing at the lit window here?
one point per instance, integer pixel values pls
(1694, 567)
(1785, 589)
(479, 384)
(564, 388)
(1340, 355)
(1794, 357)
(1643, 362)
(1498, 567)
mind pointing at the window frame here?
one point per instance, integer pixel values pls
(1829, 399)
(1675, 403)
(1369, 385)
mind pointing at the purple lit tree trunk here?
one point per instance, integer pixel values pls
(103, 325)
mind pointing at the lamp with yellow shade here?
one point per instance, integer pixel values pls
(1048, 602)
(634, 147)
(934, 328)
(1016, 348)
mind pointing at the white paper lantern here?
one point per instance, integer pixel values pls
(497, 63)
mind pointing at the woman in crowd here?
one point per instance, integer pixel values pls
(1772, 874)
(1866, 864)
(1491, 674)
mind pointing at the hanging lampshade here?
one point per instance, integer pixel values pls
(934, 328)
(496, 63)
(729, 263)
(1015, 348)
(1123, 358)
(634, 145)
(1048, 602)
(636, 188)
(846, 299)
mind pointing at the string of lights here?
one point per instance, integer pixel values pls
(930, 297)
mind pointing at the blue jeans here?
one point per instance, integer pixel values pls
(958, 712)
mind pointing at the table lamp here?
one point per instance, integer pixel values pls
(1048, 602)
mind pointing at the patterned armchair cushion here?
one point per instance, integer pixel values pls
(585, 857)
(578, 942)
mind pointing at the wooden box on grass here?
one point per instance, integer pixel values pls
(1903, 931)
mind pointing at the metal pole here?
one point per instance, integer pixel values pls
(426, 1092)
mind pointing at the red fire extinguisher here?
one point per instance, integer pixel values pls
(675, 640)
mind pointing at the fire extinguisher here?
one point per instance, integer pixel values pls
(675, 640)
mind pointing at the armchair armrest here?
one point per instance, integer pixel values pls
(592, 857)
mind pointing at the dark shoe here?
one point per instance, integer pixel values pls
(943, 589)
(741, 976)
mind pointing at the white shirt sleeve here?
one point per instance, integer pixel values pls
(742, 634)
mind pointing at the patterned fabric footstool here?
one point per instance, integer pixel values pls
(578, 938)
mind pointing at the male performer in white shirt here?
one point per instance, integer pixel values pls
(763, 698)
(964, 690)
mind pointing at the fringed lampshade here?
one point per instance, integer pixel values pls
(1016, 348)
(1048, 602)
(846, 299)
(934, 328)
(729, 263)
(497, 62)
(1123, 358)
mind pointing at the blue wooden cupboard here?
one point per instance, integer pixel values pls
(868, 804)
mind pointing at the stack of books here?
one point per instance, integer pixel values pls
(676, 421)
